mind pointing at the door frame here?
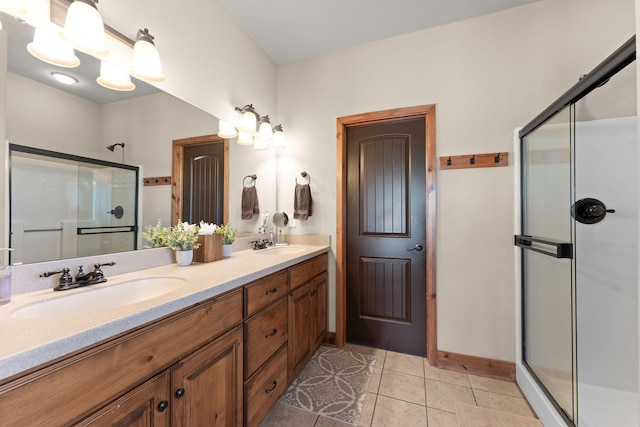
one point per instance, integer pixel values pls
(428, 112)
(177, 172)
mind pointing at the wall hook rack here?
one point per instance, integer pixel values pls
(474, 161)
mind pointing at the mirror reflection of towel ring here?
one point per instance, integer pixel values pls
(252, 177)
(304, 174)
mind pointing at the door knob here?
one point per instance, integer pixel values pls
(590, 211)
(417, 248)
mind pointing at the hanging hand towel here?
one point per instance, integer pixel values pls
(250, 205)
(302, 202)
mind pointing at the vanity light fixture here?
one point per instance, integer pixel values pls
(114, 77)
(252, 130)
(84, 28)
(65, 79)
(145, 64)
(48, 46)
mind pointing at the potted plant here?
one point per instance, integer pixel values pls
(183, 238)
(228, 237)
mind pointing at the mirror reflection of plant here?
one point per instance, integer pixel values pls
(182, 237)
(156, 236)
(228, 233)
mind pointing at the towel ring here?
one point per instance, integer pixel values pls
(304, 174)
(252, 177)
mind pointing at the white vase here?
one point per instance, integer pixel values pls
(184, 257)
(227, 250)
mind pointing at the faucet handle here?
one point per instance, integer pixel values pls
(64, 279)
(97, 271)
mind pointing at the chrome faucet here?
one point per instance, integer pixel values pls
(66, 282)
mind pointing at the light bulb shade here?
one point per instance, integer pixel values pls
(264, 131)
(84, 29)
(15, 8)
(248, 122)
(278, 137)
(39, 13)
(48, 46)
(245, 138)
(145, 64)
(260, 144)
(226, 130)
(115, 78)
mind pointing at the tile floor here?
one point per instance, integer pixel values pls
(405, 390)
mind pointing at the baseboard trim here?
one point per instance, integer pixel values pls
(485, 367)
(330, 339)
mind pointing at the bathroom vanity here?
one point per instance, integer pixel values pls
(219, 350)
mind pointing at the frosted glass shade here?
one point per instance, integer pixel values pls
(226, 130)
(13, 8)
(248, 123)
(115, 78)
(245, 138)
(278, 139)
(265, 132)
(145, 64)
(48, 46)
(84, 29)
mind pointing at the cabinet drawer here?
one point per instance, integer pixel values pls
(263, 335)
(263, 292)
(264, 389)
(302, 273)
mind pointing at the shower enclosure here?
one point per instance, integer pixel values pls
(578, 234)
(64, 206)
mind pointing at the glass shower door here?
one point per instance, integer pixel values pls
(548, 270)
(106, 210)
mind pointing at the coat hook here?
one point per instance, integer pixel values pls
(496, 159)
(472, 160)
(449, 161)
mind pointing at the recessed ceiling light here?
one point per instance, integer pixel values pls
(64, 78)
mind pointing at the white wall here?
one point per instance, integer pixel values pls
(487, 76)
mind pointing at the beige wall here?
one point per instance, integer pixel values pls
(487, 76)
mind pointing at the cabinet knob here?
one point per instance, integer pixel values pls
(179, 393)
(272, 333)
(163, 405)
(273, 387)
(271, 292)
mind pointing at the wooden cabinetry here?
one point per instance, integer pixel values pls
(73, 388)
(265, 334)
(307, 312)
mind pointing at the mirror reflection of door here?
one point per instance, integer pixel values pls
(200, 180)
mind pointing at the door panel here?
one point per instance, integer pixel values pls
(386, 297)
(203, 183)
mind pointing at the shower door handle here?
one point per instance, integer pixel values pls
(562, 249)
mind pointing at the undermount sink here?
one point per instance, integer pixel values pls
(283, 250)
(89, 300)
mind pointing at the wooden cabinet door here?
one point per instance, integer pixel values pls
(207, 386)
(145, 406)
(319, 309)
(300, 341)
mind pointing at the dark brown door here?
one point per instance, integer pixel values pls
(203, 183)
(386, 289)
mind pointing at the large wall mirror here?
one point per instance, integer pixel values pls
(85, 118)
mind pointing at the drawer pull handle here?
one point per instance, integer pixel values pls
(179, 393)
(271, 292)
(273, 387)
(163, 405)
(314, 292)
(272, 333)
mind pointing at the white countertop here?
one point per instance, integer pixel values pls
(27, 343)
